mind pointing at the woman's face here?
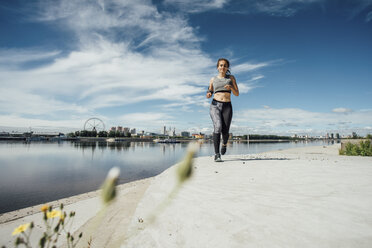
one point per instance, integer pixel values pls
(222, 66)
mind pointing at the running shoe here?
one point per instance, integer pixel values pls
(217, 158)
(223, 149)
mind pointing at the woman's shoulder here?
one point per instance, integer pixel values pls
(212, 79)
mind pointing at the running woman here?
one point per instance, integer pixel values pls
(221, 109)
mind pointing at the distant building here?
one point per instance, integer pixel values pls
(146, 136)
(198, 135)
(126, 130)
(337, 136)
(119, 129)
(113, 129)
(133, 131)
(185, 134)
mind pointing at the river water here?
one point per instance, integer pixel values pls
(39, 172)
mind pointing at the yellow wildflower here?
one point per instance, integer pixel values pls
(44, 208)
(21, 229)
(54, 214)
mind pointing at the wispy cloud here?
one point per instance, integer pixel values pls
(194, 6)
(281, 7)
(16, 57)
(19, 101)
(245, 88)
(342, 110)
(257, 77)
(247, 67)
(8, 123)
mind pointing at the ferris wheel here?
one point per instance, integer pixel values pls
(94, 124)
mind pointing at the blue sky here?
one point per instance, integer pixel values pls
(303, 67)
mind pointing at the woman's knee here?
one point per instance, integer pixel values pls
(217, 128)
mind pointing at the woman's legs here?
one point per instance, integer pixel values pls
(221, 115)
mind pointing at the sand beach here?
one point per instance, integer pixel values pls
(302, 197)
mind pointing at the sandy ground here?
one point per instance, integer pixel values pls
(302, 197)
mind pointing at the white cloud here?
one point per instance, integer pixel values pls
(255, 78)
(19, 56)
(21, 102)
(61, 125)
(293, 120)
(194, 6)
(342, 110)
(252, 84)
(245, 88)
(247, 67)
(104, 70)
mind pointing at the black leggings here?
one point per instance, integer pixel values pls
(221, 114)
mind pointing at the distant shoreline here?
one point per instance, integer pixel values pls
(129, 139)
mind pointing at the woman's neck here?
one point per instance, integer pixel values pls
(221, 75)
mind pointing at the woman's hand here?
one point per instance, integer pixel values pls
(209, 95)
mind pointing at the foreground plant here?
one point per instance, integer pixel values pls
(364, 148)
(108, 195)
(184, 172)
(56, 223)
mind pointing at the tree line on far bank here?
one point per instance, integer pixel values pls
(110, 134)
(266, 137)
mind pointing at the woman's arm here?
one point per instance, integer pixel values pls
(233, 87)
(210, 88)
